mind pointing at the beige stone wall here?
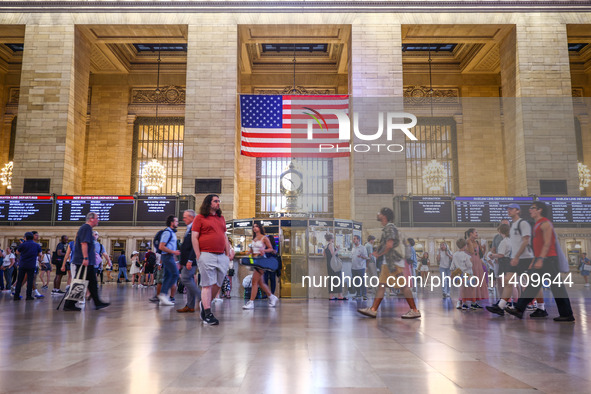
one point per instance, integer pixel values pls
(210, 111)
(376, 71)
(110, 138)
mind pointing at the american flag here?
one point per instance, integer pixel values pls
(277, 126)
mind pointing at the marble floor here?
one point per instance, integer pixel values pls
(301, 346)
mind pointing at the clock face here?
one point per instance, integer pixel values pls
(291, 181)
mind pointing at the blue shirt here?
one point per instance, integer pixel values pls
(84, 235)
(121, 261)
(413, 257)
(168, 239)
(29, 252)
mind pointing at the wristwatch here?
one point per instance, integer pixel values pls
(86, 258)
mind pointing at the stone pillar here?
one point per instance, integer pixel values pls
(51, 125)
(376, 74)
(586, 145)
(539, 126)
(110, 140)
(210, 110)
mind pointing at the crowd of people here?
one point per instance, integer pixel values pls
(201, 261)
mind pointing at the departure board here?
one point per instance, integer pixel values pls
(155, 209)
(27, 209)
(488, 209)
(73, 209)
(569, 210)
(431, 210)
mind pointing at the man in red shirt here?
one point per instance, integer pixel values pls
(212, 251)
(544, 264)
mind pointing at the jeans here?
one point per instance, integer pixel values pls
(359, 290)
(188, 279)
(171, 272)
(8, 277)
(30, 272)
(270, 276)
(122, 270)
(445, 279)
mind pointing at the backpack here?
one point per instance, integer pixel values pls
(156, 241)
(151, 260)
(530, 245)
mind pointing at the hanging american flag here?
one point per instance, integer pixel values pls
(277, 126)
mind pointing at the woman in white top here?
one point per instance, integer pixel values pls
(260, 245)
(135, 270)
(8, 267)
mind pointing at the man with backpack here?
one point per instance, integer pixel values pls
(545, 266)
(521, 256)
(188, 262)
(166, 245)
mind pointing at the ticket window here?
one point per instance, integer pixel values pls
(574, 248)
(118, 246)
(241, 238)
(344, 241)
(317, 240)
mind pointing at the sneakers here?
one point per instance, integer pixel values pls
(210, 320)
(248, 305)
(539, 313)
(465, 307)
(44, 287)
(216, 300)
(102, 305)
(273, 300)
(475, 305)
(368, 312)
(515, 312)
(496, 309)
(411, 314)
(364, 298)
(172, 299)
(565, 318)
(586, 284)
(164, 300)
(459, 305)
(530, 307)
(154, 299)
(201, 311)
(39, 296)
(57, 291)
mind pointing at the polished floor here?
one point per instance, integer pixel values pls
(301, 346)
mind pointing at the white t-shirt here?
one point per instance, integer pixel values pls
(462, 261)
(516, 239)
(7, 259)
(505, 247)
(444, 259)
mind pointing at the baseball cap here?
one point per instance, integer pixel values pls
(513, 206)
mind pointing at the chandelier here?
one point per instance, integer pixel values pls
(6, 175)
(434, 176)
(584, 176)
(153, 175)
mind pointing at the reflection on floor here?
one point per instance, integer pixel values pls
(301, 346)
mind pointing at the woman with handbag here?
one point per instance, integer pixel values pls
(260, 245)
(335, 292)
(136, 268)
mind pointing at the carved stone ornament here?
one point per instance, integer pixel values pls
(168, 95)
(297, 90)
(421, 95)
(14, 96)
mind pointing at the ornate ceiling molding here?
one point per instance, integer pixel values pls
(430, 6)
(298, 90)
(169, 95)
(420, 95)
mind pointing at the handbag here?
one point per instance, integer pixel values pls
(587, 267)
(78, 287)
(456, 272)
(336, 264)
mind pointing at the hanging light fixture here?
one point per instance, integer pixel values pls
(584, 176)
(434, 174)
(6, 175)
(154, 174)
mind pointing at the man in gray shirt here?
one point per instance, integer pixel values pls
(359, 257)
(444, 257)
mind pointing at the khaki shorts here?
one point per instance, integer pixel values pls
(213, 268)
(385, 274)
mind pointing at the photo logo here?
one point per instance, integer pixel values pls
(394, 121)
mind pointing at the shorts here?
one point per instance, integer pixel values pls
(521, 267)
(58, 267)
(159, 276)
(149, 269)
(424, 268)
(504, 265)
(46, 267)
(213, 268)
(385, 274)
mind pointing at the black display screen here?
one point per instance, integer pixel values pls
(569, 210)
(73, 209)
(155, 209)
(488, 209)
(431, 210)
(14, 209)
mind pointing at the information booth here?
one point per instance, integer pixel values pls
(301, 242)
